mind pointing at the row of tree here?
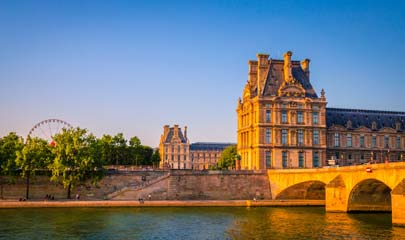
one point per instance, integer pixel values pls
(228, 159)
(74, 156)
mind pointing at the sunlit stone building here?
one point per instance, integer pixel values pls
(206, 154)
(176, 152)
(283, 123)
(174, 148)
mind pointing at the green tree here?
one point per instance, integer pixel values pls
(106, 149)
(35, 155)
(228, 158)
(75, 158)
(146, 155)
(119, 144)
(135, 151)
(9, 145)
(156, 158)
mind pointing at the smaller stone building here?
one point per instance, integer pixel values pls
(206, 154)
(176, 152)
(174, 148)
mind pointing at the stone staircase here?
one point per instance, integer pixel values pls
(137, 187)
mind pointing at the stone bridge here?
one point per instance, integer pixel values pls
(374, 187)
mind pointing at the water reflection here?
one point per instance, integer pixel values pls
(311, 223)
(194, 223)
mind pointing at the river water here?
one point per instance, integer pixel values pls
(194, 223)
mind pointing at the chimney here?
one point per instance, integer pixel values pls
(252, 72)
(263, 62)
(305, 66)
(185, 132)
(287, 66)
(165, 130)
(176, 130)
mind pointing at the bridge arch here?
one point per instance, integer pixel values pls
(369, 195)
(310, 190)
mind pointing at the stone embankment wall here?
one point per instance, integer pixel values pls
(160, 185)
(15, 188)
(211, 185)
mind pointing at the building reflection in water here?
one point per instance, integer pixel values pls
(312, 223)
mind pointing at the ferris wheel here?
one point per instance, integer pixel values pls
(46, 129)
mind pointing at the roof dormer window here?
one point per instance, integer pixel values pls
(374, 125)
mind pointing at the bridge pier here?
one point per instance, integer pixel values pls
(336, 196)
(398, 204)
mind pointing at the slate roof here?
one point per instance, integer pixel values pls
(171, 134)
(358, 117)
(213, 146)
(275, 79)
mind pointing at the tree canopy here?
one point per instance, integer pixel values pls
(228, 158)
(75, 158)
(35, 155)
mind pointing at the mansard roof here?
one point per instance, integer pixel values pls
(170, 136)
(203, 146)
(275, 78)
(358, 118)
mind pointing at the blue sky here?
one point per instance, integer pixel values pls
(134, 66)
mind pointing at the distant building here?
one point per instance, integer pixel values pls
(283, 123)
(358, 136)
(174, 148)
(206, 154)
(176, 152)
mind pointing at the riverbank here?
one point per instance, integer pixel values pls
(191, 203)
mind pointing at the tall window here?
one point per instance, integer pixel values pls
(398, 142)
(300, 137)
(268, 159)
(361, 140)
(349, 140)
(316, 159)
(316, 137)
(284, 116)
(284, 159)
(268, 115)
(300, 119)
(301, 159)
(337, 140)
(386, 145)
(315, 117)
(268, 135)
(284, 136)
(374, 141)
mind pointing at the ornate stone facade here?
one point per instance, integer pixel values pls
(205, 155)
(281, 120)
(176, 152)
(359, 136)
(174, 148)
(282, 123)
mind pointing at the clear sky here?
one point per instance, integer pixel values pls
(134, 66)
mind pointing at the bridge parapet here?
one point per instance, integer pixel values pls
(342, 182)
